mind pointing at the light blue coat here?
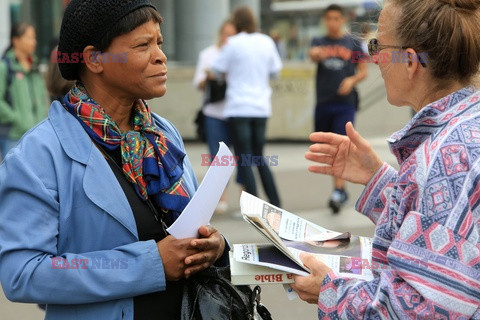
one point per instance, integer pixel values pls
(59, 197)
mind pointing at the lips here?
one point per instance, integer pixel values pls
(160, 74)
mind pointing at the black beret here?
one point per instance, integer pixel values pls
(85, 22)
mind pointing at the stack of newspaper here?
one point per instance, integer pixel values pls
(288, 235)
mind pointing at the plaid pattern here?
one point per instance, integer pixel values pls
(149, 160)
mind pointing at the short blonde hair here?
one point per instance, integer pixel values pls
(447, 30)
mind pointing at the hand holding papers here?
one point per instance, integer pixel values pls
(200, 209)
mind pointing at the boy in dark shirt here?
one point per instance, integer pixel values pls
(337, 75)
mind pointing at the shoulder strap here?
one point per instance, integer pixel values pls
(10, 75)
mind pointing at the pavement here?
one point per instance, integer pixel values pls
(301, 192)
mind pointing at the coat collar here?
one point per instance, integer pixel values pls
(426, 123)
(99, 182)
(16, 66)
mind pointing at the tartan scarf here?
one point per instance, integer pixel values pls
(149, 160)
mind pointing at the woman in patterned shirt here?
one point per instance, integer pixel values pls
(428, 210)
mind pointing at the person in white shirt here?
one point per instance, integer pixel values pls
(215, 123)
(249, 60)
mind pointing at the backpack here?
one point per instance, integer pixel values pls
(10, 75)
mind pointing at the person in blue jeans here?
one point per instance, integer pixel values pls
(337, 75)
(249, 60)
(215, 123)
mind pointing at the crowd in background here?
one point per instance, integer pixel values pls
(237, 99)
(235, 73)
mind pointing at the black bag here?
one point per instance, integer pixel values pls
(215, 91)
(209, 295)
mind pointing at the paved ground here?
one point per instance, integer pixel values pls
(301, 192)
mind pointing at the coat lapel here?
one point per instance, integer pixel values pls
(102, 188)
(99, 182)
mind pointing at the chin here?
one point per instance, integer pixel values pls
(393, 98)
(156, 93)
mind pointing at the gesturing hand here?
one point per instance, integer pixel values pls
(346, 86)
(308, 288)
(210, 246)
(348, 157)
(317, 53)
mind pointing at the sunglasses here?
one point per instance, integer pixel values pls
(374, 48)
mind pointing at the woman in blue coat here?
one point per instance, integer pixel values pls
(86, 195)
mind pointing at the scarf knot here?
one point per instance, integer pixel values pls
(150, 161)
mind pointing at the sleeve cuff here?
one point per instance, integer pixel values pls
(159, 273)
(374, 188)
(328, 297)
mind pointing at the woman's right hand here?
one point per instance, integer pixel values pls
(348, 157)
(173, 252)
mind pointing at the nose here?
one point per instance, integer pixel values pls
(160, 57)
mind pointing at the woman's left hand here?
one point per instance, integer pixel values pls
(211, 246)
(308, 288)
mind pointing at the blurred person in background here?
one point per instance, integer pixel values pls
(249, 60)
(279, 43)
(215, 124)
(428, 210)
(337, 75)
(23, 95)
(57, 86)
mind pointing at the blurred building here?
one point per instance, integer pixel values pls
(297, 22)
(191, 25)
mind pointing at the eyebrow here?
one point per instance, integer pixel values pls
(149, 38)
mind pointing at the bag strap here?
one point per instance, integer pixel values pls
(10, 75)
(156, 215)
(258, 306)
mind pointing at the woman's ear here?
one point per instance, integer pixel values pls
(93, 59)
(412, 62)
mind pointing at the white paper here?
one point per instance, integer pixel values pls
(201, 207)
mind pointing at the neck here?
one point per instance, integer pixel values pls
(118, 108)
(335, 35)
(436, 95)
(22, 58)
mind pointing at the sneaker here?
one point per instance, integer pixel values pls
(338, 198)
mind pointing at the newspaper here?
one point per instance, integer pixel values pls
(285, 224)
(290, 235)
